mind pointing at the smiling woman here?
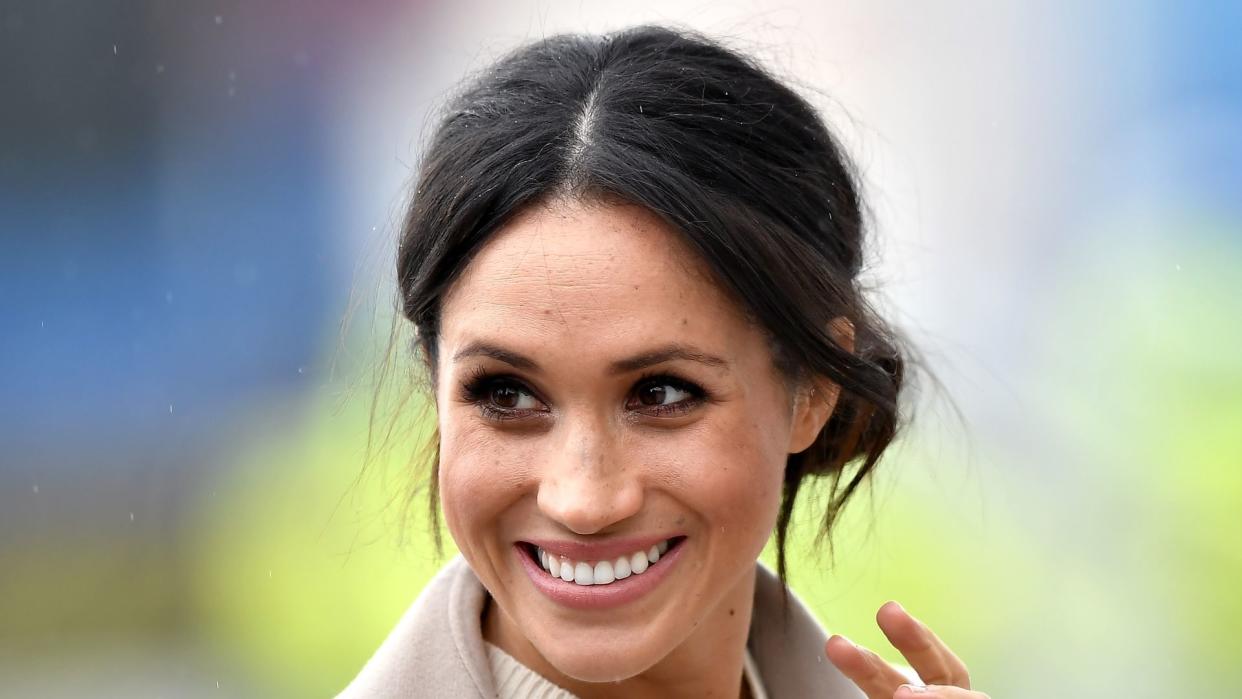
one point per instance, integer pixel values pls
(632, 264)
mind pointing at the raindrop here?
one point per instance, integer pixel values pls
(219, 20)
(114, 49)
(300, 370)
(170, 408)
(131, 516)
(35, 488)
(159, 67)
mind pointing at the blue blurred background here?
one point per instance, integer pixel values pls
(198, 206)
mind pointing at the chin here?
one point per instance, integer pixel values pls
(602, 661)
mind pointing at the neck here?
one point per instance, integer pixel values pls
(708, 663)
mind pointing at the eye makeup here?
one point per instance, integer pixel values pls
(495, 394)
(499, 395)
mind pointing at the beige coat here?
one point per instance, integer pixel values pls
(436, 650)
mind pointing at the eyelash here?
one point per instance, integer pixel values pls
(477, 391)
(478, 387)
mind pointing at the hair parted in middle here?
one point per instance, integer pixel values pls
(730, 157)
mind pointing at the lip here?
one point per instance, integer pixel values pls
(614, 594)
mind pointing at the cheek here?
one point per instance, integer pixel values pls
(480, 476)
(732, 469)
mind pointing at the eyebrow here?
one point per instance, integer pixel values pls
(643, 360)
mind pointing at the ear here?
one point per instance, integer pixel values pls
(817, 397)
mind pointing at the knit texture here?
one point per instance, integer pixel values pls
(515, 681)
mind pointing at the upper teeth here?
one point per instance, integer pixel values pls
(601, 572)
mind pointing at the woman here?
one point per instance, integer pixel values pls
(632, 263)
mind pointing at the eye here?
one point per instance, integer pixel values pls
(500, 397)
(665, 396)
(508, 396)
(661, 394)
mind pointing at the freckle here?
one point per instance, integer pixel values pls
(730, 612)
(685, 321)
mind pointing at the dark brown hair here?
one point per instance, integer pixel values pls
(729, 156)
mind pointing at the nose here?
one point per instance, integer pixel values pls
(588, 483)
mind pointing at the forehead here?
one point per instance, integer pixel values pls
(588, 276)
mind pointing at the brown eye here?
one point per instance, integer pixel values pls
(663, 393)
(505, 397)
(653, 394)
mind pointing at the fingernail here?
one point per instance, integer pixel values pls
(914, 688)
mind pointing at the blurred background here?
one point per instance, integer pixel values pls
(198, 205)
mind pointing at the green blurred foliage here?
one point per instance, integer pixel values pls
(301, 570)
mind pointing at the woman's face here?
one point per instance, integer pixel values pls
(600, 397)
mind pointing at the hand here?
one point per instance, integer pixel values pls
(929, 656)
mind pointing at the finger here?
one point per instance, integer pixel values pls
(876, 678)
(927, 654)
(910, 691)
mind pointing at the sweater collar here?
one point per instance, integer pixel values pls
(786, 642)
